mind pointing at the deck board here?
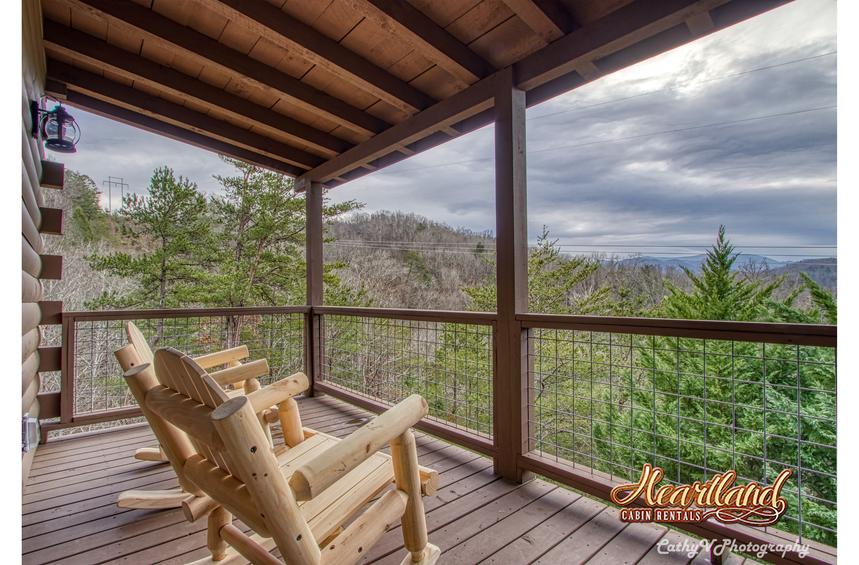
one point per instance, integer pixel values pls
(70, 515)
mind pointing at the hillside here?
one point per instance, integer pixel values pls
(408, 261)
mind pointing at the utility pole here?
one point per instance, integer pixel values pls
(114, 182)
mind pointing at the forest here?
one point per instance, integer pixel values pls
(606, 402)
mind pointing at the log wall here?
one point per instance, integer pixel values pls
(36, 172)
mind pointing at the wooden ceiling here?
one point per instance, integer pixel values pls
(330, 90)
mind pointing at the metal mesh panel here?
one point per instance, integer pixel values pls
(99, 385)
(610, 402)
(449, 364)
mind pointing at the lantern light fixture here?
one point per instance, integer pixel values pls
(56, 127)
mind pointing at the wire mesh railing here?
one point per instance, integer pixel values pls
(448, 362)
(606, 403)
(95, 376)
(603, 396)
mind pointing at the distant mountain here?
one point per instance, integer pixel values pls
(694, 262)
(823, 270)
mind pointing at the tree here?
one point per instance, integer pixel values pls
(719, 292)
(555, 283)
(79, 200)
(169, 229)
(257, 252)
(694, 406)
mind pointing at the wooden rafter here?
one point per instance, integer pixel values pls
(621, 28)
(449, 111)
(274, 24)
(546, 18)
(159, 108)
(148, 123)
(200, 46)
(428, 38)
(83, 47)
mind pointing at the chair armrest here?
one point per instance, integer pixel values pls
(243, 372)
(222, 357)
(277, 392)
(326, 468)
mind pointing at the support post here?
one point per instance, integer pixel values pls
(313, 261)
(511, 376)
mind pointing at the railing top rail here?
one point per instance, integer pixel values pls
(486, 318)
(765, 332)
(182, 312)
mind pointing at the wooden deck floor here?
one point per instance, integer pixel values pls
(70, 515)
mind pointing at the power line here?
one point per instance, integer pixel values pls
(623, 245)
(475, 250)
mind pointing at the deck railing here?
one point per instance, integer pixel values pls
(603, 395)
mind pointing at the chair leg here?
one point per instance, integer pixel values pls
(429, 556)
(218, 518)
(404, 456)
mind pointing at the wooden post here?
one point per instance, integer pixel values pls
(510, 383)
(67, 378)
(314, 260)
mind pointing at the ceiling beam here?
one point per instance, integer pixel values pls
(83, 47)
(150, 124)
(403, 20)
(202, 47)
(281, 29)
(472, 100)
(159, 108)
(546, 18)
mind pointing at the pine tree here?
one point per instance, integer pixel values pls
(719, 292)
(257, 252)
(169, 229)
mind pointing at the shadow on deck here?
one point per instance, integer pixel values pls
(70, 513)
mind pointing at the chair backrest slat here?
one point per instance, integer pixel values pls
(138, 340)
(179, 372)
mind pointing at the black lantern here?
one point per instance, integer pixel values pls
(57, 127)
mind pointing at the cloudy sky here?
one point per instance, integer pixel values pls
(738, 128)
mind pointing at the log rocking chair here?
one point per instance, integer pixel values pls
(240, 377)
(296, 497)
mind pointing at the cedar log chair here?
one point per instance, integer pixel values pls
(298, 496)
(242, 377)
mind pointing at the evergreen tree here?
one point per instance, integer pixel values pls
(695, 406)
(169, 229)
(719, 292)
(257, 252)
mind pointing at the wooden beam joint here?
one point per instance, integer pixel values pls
(52, 267)
(53, 174)
(52, 221)
(52, 312)
(49, 359)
